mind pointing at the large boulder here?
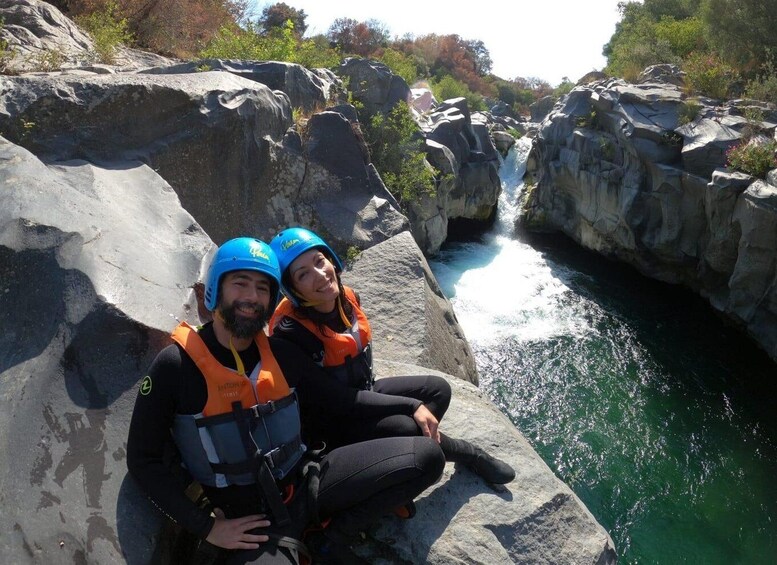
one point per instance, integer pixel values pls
(219, 140)
(38, 34)
(96, 265)
(374, 85)
(205, 133)
(41, 38)
(412, 320)
(636, 173)
(541, 108)
(666, 73)
(461, 148)
(306, 89)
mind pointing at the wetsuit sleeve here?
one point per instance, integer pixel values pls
(316, 388)
(291, 330)
(150, 443)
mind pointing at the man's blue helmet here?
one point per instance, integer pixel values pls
(293, 242)
(242, 253)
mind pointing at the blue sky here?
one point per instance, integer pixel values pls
(548, 39)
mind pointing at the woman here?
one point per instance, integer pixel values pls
(326, 320)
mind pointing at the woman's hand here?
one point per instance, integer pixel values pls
(427, 422)
(233, 533)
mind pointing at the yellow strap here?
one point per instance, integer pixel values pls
(241, 370)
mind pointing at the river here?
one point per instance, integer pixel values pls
(650, 407)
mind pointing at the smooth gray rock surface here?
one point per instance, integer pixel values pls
(412, 321)
(306, 89)
(95, 265)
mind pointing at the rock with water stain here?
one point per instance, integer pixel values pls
(95, 265)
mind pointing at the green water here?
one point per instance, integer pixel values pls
(654, 411)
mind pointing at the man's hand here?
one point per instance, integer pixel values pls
(427, 422)
(232, 534)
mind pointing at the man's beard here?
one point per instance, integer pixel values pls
(240, 326)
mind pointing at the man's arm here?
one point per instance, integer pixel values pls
(149, 443)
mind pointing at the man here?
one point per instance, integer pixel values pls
(224, 394)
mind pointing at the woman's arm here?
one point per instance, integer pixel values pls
(315, 387)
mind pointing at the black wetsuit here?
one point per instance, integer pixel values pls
(358, 483)
(432, 391)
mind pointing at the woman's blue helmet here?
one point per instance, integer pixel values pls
(242, 253)
(293, 242)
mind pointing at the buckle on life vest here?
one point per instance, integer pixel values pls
(269, 457)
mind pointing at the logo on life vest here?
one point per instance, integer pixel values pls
(257, 251)
(145, 386)
(229, 390)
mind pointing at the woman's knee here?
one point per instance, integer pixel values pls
(440, 390)
(429, 458)
(396, 426)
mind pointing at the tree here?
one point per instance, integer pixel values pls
(277, 15)
(675, 9)
(466, 61)
(358, 38)
(635, 44)
(742, 30)
(482, 57)
(171, 27)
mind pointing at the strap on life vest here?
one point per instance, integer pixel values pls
(270, 388)
(263, 475)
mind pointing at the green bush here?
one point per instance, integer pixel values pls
(6, 53)
(395, 147)
(400, 64)
(682, 36)
(764, 86)
(448, 87)
(707, 74)
(688, 112)
(279, 44)
(108, 31)
(47, 61)
(248, 44)
(563, 88)
(589, 120)
(753, 158)
(351, 254)
(316, 53)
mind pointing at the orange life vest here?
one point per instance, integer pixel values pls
(225, 386)
(243, 415)
(347, 355)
